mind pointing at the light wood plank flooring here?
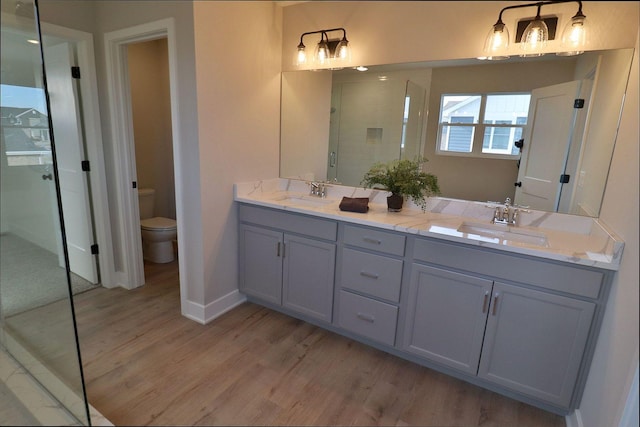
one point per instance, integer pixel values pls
(145, 364)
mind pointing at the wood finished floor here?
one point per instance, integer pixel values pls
(145, 364)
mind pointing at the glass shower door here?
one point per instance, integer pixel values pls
(38, 332)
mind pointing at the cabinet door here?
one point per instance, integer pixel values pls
(535, 341)
(446, 317)
(309, 267)
(261, 263)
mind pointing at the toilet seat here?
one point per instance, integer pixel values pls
(158, 223)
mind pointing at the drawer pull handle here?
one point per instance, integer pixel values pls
(372, 240)
(367, 317)
(278, 250)
(485, 301)
(495, 303)
(369, 275)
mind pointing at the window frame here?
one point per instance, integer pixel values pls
(479, 128)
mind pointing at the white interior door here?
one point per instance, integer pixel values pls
(68, 138)
(546, 145)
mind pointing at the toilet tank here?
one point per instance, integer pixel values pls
(146, 198)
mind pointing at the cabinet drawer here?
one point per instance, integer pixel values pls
(381, 241)
(301, 224)
(373, 319)
(375, 275)
(545, 274)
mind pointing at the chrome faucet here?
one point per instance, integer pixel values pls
(507, 214)
(318, 189)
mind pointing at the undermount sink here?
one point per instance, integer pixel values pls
(304, 200)
(499, 233)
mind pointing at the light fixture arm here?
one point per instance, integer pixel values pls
(323, 35)
(539, 6)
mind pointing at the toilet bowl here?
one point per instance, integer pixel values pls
(158, 233)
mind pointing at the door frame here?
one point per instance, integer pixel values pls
(90, 111)
(124, 174)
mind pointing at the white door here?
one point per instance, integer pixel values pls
(68, 138)
(546, 145)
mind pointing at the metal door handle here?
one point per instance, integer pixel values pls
(495, 303)
(371, 240)
(485, 301)
(48, 176)
(366, 317)
(369, 275)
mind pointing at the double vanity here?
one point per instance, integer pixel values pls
(514, 309)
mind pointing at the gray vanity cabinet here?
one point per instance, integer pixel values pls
(529, 337)
(535, 342)
(369, 282)
(288, 260)
(261, 274)
(520, 325)
(446, 317)
(308, 274)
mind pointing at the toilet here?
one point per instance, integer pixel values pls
(158, 233)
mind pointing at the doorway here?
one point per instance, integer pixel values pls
(130, 275)
(148, 75)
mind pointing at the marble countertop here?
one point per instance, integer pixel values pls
(568, 238)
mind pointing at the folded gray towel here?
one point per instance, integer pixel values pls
(355, 204)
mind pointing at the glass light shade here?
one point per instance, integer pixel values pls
(534, 38)
(342, 53)
(574, 36)
(301, 56)
(497, 42)
(322, 54)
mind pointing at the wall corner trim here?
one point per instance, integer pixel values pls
(574, 419)
(205, 314)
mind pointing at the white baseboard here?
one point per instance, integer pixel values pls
(205, 314)
(574, 419)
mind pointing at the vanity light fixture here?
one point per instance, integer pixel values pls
(538, 31)
(334, 52)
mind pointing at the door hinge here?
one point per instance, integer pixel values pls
(564, 179)
(578, 103)
(134, 184)
(75, 72)
(86, 167)
(94, 249)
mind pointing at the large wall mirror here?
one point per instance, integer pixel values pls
(489, 130)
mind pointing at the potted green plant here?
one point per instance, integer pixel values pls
(402, 178)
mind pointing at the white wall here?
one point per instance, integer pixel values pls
(238, 79)
(385, 32)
